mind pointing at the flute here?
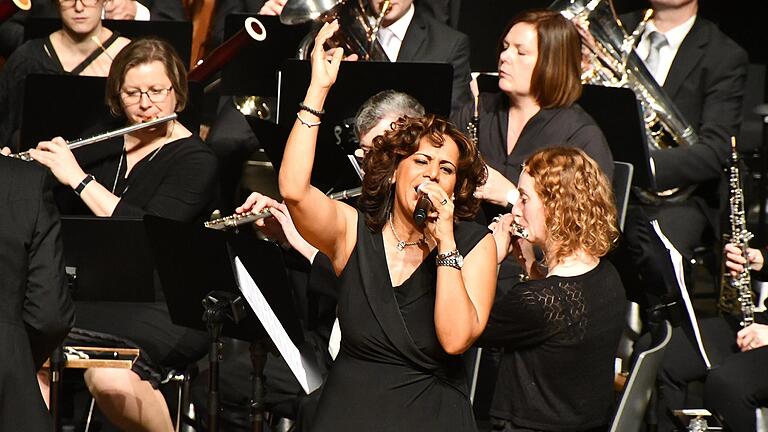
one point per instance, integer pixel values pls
(82, 142)
(518, 230)
(237, 219)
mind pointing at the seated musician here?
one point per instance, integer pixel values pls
(81, 47)
(162, 170)
(560, 329)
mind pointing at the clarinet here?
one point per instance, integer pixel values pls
(737, 287)
(474, 122)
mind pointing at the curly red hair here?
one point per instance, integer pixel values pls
(578, 201)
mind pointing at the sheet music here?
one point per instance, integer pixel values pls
(677, 263)
(303, 370)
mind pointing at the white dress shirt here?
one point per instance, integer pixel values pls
(667, 52)
(391, 37)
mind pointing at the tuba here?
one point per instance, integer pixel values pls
(358, 25)
(612, 62)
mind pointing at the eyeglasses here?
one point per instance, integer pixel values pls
(154, 95)
(71, 3)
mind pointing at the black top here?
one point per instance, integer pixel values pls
(568, 126)
(560, 336)
(391, 373)
(177, 182)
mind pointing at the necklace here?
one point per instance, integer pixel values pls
(122, 157)
(402, 244)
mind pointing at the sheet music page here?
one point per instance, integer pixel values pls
(303, 370)
(677, 263)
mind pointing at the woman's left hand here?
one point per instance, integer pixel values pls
(752, 337)
(439, 223)
(57, 156)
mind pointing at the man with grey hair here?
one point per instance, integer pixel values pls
(377, 114)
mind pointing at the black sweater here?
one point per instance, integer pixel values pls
(560, 336)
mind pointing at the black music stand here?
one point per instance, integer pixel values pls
(106, 259)
(253, 71)
(429, 83)
(196, 269)
(619, 115)
(55, 116)
(177, 33)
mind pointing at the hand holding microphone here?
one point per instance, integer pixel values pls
(423, 206)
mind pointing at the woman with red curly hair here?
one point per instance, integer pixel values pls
(412, 297)
(560, 329)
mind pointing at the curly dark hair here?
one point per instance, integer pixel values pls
(402, 141)
(578, 201)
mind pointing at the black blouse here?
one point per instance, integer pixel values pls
(177, 182)
(568, 126)
(560, 336)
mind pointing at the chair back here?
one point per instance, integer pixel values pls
(630, 413)
(622, 180)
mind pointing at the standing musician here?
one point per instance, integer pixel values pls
(81, 47)
(559, 329)
(404, 317)
(162, 170)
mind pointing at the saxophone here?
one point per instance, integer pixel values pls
(736, 291)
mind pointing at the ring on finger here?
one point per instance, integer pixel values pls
(444, 201)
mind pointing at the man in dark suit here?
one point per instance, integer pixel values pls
(704, 73)
(409, 34)
(36, 312)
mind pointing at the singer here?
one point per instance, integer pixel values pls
(411, 299)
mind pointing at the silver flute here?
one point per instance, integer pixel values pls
(82, 142)
(518, 230)
(238, 219)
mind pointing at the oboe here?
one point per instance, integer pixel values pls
(75, 144)
(737, 287)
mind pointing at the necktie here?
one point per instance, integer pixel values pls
(385, 36)
(656, 42)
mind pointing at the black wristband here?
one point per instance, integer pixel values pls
(79, 189)
(303, 107)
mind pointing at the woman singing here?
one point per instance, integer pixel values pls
(539, 78)
(412, 298)
(162, 170)
(560, 329)
(81, 47)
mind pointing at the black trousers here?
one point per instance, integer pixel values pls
(735, 386)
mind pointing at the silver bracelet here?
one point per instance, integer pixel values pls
(306, 123)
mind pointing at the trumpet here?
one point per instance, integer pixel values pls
(238, 219)
(82, 142)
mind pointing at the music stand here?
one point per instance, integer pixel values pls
(62, 92)
(177, 33)
(253, 71)
(196, 264)
(619, 115)
(429, 83)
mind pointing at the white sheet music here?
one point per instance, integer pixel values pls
(677, 263)
(303, 370)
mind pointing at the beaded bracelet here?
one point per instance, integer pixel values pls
(303, 107)
(306, 123)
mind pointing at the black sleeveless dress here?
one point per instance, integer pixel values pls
(391, 373)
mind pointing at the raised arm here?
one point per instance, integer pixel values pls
(326, 224)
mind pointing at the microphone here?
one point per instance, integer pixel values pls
(423, 207)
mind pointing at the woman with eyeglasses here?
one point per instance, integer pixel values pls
(163, 170)
(81, 47)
